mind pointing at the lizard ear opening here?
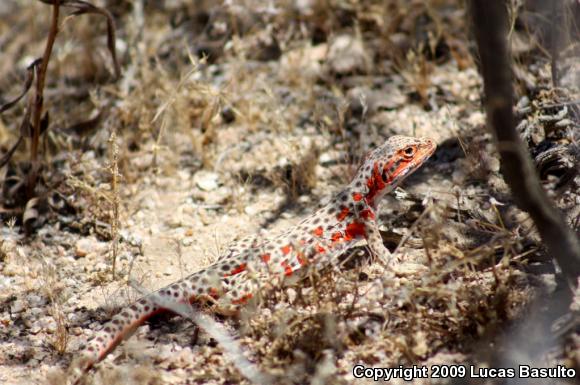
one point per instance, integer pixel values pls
(385, 175)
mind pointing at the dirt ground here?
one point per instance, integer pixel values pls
(236, 118)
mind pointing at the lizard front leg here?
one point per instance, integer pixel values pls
(375, 242)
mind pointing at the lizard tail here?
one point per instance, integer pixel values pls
(126, 322)
(120, 327)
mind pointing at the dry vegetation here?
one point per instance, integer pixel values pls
(231, 118)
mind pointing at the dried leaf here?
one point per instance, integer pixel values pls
(12, 187)
(27, 83)
(30, 213)
(8, 155)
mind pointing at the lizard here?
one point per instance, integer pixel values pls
(265, 262)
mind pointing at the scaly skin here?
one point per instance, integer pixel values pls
(263, 263)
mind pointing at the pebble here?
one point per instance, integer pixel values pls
(5, 282)
(17, 306)
(84, 246)
(131, 238)
(251, 210)
(347, 55)
(206, 180)
(409, 268)
(101, 266)
(35, 300)
(184, 175)
(291, 295)
(35, 329)
(523, 102)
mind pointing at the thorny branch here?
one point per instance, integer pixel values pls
(490, 21)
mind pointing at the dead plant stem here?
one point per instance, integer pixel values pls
(114, 168)
(37, 102)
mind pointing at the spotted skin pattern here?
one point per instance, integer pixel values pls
(258, 263)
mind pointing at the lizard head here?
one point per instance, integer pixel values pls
(385, 167)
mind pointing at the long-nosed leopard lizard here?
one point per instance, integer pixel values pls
(259, 263)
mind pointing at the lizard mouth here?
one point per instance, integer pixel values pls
(427, 150)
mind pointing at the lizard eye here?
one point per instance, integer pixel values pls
(409, 152)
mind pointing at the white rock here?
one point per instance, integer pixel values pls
(184, 175)
(35, 300)
(101, 266)
(409, 268)
(206, 180)
(35, 329)
(18, 306)
(251, 210)
(85, 246)
(347, 54)
(5, 282)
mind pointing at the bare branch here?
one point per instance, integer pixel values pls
(490, 22)
(36, 104)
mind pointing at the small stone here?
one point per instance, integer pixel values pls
(35, 300)
(206, 180)
(251, 210)
(86, 246)
(33, 362)
(409, 268)
(493, 164)
(82, 247)
(101, 266)
(131, 238)
(523, 102)
(142, 162)
(35, 329)
(76, 331)
(291, 295)
(228, 115)
(183, 175)
(18, 306)
(5, 283)
(347, 55)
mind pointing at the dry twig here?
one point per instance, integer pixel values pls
(490, 22)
